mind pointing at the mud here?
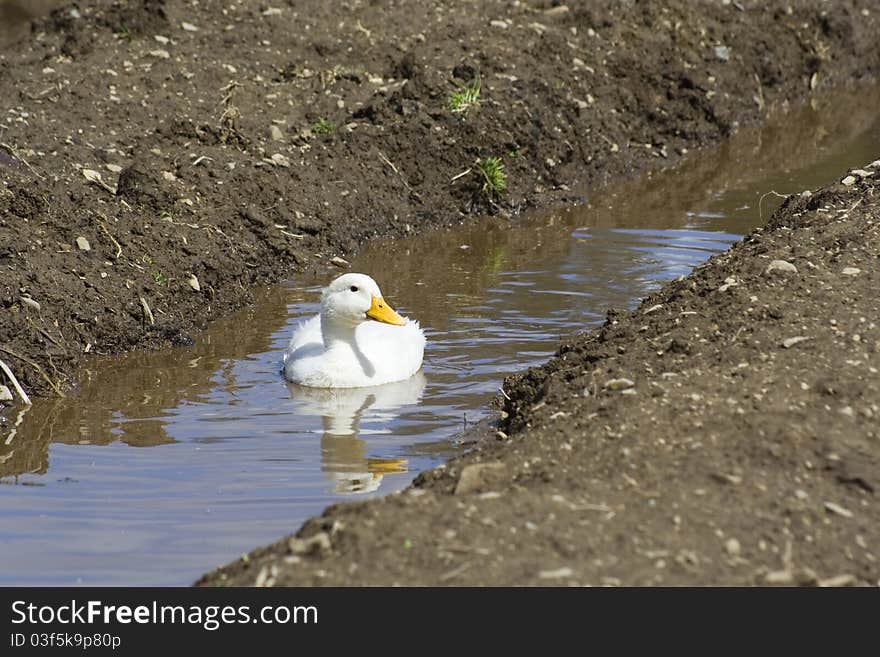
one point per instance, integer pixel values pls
(201, 121)
(725, 432)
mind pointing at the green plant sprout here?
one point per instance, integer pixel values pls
(465, 97)
(494, 176)
(322, 127)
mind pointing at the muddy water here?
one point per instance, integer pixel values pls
(165, 464)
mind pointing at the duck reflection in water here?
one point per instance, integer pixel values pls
(343, 452)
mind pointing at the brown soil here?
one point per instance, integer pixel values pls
(177, 121)
(174, 105)
(725, 432)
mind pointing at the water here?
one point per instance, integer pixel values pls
(166, 464)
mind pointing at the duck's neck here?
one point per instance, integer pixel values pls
(339, 338)
(337, 334)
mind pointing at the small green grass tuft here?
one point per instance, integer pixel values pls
(494, 176)
(465, 97)
(124, 33)
(322, 127)
(159, 278)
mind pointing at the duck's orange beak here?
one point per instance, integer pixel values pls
(382, 312)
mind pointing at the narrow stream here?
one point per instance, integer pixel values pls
(166, 464)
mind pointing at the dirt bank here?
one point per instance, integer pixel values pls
(725, 432)
(237, 143)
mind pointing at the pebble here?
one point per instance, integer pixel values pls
(5, 394)
(781, 266)
(280, 160)
(275, 133)
(722, 53)
(189, 27)
(790, 342)
(83, 244)
(499, 24)
(619, 384)
(31, 303)
(849, 180)
(851, 271)
(318, 543)
(779, 577)
(837, 509)
(194, 283)
(837, 580)
(340, 262)
(559, 573)
(160, 54)
(733, 547)
(113, 168)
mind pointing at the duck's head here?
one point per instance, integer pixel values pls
(355, 298)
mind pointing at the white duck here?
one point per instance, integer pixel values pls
(341, 348)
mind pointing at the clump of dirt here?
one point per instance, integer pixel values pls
(725, 432)
(242, 143)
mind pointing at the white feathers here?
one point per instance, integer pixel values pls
(343, 348)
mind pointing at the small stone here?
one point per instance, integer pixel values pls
(653, 309)
(164, 40)
(189, 27)
(779, 577)
(781, 266)
(194, 283)
(316, 544)
(619, 384)
(838, 580)
(31, 303)
(499, 24)
(113, 168)
(790, 342)
(722, 53)
(733, 547)
(5, 394)
(83, 244)
(832, 507)
(276, 133)
(160, 54)
(475, 475)
(849, 180)
(559, 573)
(851, 271)
(280, 160)
(168, 176)
(339, 262)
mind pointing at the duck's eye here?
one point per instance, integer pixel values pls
(353, 288)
